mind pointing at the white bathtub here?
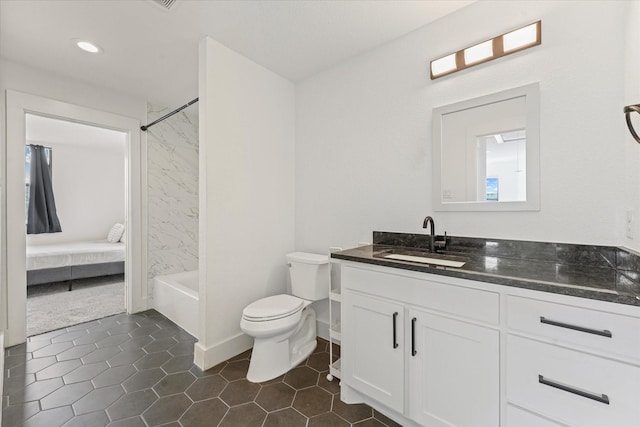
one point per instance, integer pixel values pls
(176, 297)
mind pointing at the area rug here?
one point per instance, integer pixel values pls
(51, 306)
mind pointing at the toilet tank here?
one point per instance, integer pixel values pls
(310, 275)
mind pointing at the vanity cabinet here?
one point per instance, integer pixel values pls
(596, 331)
(435, 351)
(454, 372)
(432, 367)
(518, 417)
(375, 343)
(576, 366)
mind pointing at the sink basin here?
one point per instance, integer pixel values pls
(423, 257)
(443, 261)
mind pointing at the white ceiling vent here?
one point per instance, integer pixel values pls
(165, 4)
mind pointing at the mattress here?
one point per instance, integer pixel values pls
(74, 253)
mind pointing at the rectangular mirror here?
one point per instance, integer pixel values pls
(486, 153)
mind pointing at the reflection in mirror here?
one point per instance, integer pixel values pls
(502, 159)
(486, 153)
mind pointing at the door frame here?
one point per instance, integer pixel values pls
(18, 104)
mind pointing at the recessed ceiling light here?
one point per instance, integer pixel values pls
(87, 46)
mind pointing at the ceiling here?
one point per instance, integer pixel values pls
(152, 53)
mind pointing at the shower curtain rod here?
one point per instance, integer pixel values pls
(166, 116)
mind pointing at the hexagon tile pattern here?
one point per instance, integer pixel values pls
(137, 370)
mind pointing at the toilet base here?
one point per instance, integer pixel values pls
(275, 356)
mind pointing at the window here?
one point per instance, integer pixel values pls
(492, 189)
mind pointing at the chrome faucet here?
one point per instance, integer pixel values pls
(432, 232)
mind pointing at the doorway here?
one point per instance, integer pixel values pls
(19, 106)
(75, 210)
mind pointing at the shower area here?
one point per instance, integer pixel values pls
(172, 219)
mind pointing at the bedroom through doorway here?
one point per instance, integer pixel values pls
(75, 210)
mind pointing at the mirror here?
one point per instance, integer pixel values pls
(486, 153)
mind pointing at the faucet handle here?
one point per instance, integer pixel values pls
(440, 242)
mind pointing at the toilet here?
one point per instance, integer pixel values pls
(284, 326)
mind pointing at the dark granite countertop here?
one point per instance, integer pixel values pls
(596, 272)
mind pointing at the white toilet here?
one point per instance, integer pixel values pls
(284, 326)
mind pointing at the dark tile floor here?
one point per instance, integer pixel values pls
(137, 370)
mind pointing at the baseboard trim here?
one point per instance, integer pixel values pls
(143, 304)
(208, 357)
(322, 329)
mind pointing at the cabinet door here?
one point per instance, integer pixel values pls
(372, 353)
(454, 372)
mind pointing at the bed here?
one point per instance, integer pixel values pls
(74, 260)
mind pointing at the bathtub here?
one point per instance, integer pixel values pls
(176, 297)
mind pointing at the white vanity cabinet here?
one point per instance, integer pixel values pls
(576, 366)
(436, 351)
(432, 367)
(376, 347)
(454, 372)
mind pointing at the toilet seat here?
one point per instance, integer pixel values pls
(272, 308)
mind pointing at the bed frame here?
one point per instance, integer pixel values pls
(73, 272)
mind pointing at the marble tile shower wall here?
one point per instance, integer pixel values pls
(172, 179)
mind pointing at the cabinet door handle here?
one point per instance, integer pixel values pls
(602, 333)
(413, 337)
(395, 340)
(602, 398)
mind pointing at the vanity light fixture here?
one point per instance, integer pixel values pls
(444, 65)
(479, 53)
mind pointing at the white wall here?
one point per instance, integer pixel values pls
(89, 189)
(632, 148)
(49, 85)
(246, 115)
(363, 128)
(172, 181)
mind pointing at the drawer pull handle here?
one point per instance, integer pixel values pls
(602, 398)
(413, 337)
(395, 340)
(602, 333)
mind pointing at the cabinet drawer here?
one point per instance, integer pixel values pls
(572, 387)
(466, 302)
(517, 417)
(609, 333)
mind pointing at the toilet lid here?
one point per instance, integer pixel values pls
(271, 308)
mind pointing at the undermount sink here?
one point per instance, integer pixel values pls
(425, 258)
